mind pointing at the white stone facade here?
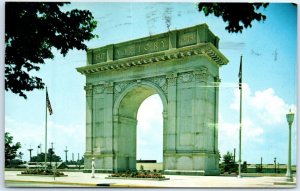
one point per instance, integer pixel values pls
(182, 67)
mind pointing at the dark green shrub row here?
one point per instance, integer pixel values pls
(138, 174)
(42, 172)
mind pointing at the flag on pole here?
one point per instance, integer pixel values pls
(240, 73)
(48, 103)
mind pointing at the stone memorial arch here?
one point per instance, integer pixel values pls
(182, 67)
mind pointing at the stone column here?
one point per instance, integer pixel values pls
(216, 118)
(172, 113)
(165, 128)
(97, 120)
(170, 129)
(108, 113)
(108, 126)
(89, 129)
(201, 107)
(115, 136)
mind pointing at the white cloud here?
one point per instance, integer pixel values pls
(265, 105)
(263, 111)
(229, 134)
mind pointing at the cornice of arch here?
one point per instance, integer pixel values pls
(203, 49)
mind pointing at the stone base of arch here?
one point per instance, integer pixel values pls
(193, 172)
(105, 161)
(199, 163)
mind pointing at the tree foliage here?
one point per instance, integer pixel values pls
(32, 30)
(51, 157)
(238, 15)
(229, 164)
(11, 149)
(14, 163)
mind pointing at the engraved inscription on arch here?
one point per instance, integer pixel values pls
(99, 56)
(140, 48)
(187, 39)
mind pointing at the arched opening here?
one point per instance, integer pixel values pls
(150, 133)
(126, 121)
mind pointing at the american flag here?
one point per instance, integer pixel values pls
(48, 103)
(240, 73)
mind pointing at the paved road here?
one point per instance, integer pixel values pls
(75, 179)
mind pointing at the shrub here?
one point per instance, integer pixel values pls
(141, 168)
(138, 174)
(42, 172)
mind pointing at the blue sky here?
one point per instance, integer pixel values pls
(269, 74)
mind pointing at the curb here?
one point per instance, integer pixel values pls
(116, 185)
(84, 184)
(50, 182)
(285, 183)
(129, 178)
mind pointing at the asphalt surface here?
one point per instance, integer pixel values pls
(79, 179)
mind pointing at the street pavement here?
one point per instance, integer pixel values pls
(79, 179)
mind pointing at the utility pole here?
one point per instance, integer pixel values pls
(261, 163)
(234, 155)
(72, 156)
(66, 151)
(51, 154)
(78, 162)
(275, 164)
(240, 130)
(30, 150)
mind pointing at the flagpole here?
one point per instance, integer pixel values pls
(240, 131)
(46, 133)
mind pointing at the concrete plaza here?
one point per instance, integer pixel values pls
(75, 179)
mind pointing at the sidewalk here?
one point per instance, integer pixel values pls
(84, 179)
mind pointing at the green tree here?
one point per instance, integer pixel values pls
(51, 156)
(32, 30)
(11, 149)
(258, 168)
(81, 161)
(238, 15)
(244, 167)
(228, 163)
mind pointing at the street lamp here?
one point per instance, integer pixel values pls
(290, 119)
